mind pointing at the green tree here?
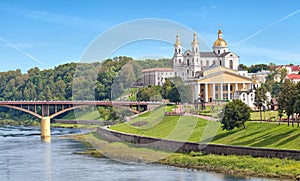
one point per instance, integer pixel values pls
(297, 102)
(286, 99)
(283, 72)
(260, 99)
(236, 113)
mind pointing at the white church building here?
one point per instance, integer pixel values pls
(213, 75)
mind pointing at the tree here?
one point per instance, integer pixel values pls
(283, 72)
(260, 99)
(236, 114)
(286, 99)
(297, 102)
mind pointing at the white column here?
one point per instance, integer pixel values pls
(214, 91)
(221, 91)
(228, 91)
(196, 91)
(236, 89)
(206, 92)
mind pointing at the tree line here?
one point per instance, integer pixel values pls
(72, 81)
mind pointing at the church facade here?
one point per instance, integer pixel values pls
(212, 75)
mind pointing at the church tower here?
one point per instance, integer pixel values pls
(220, 45)
(195, 44)
(178, 57)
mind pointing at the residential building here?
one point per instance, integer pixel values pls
(157, 76)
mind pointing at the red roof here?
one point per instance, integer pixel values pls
(293, 76)
(296, 68)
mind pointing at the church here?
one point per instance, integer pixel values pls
(212, 75)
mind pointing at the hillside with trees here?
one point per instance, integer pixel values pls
(72, 81)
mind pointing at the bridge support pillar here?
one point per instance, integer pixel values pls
(45, 128)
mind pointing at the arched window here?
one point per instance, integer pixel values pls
(201, 63)
(179, 60)
(218, 51)
(196, 50)
(220, 62)
(188, 62)
(207, 63)
(231, 64)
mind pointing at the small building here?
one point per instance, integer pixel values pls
(260, 76)
(157, 76)
(247, 96)
(295, 78)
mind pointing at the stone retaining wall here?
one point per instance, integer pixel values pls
(186, 147)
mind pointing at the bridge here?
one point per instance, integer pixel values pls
(46, 110)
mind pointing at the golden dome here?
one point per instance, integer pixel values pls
(195, 41)
(220, 42)
(177, 40)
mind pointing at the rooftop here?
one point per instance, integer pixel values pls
(158, 70)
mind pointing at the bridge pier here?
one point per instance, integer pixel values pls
(45, 128)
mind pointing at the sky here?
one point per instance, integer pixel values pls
(46, 33)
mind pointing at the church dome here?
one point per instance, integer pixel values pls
(220, 42)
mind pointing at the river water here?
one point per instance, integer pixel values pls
(24, 156)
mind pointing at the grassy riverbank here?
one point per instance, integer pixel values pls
(189, 128)
(9, 122)
(237, 165)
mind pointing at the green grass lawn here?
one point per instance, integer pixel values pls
(267, 115)
(82, 115)
(193, 129)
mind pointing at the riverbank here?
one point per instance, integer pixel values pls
(192, 129)
(231, 164)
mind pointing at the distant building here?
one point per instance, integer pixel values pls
(295, 78)
(260, 76)
(157, 76)
(291, 69)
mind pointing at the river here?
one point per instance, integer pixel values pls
(24, 156)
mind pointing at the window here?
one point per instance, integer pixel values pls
(193, 74)
(188, 62)
(216, 88)
(218, 51)
(230, 64)
(179, 60)
(220, 62)
(201, 62)
(196, 50)
(214, 62)
(207, 63)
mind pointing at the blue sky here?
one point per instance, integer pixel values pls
(48, 33)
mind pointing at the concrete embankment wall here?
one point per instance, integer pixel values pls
(186, 147)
